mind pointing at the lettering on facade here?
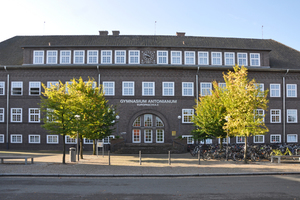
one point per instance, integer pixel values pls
(150, 102)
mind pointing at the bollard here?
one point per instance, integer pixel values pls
(140, 157)
(169, 158)
(108, 157)
(199, 157)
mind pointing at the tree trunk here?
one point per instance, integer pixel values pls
(245, 151)
(221, 143)
(81, 147)
(64, 151)
(94, 147)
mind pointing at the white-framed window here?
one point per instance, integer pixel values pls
(148, 135)
(106, 57)
(216, 58)
(222, 85)
(107, 139)
(292, 138)
(136, 136)
(259, 139)
(168, 88)
(242, 59)
(291, 90)
(69, 140)
(189, 57)
(207, 141)
(52, 84)
(16, 88)
(275, 138)
(15, 138)
(137, 122)
(274, 90)
(1, 138)
(134, 56)
(1, 114)
(92, 56)
(51, 57)
(224, 140)
(260, 87)
(162, 57)
(16, 115)
(148, 120)
(68, 83)
(240, 139)
(34, 88)
(291, 116)
(52, 139)
(78, 57)
(206, 88)
(159, 136)
(35, 139)
(187, 89)
(2, 88)
(148, 88)
(254, 59)
(38, 57)
(109, 88)
(65, 57)
(259, 114)
(159, 122)
(275, 116)
(202, 58)
(187, 115)
(34, 115)
(176, 58)
(92, 84)
(120, 57)
(128, 88)
(87, 141)
(229, 58)
(189, 139)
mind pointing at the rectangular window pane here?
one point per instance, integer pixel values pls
(128, 88)
(216, 58)
(148, 89)
(206, 89)
(291, 90)
(187, 89)
(274, 90)
(254, 59)
(176, 57)
(187, 115)
(242, 59)
(162, 57)
(120, 57)
(134, 57)
(2, 88)
(229, 58)
(65, 57)
(51, 57)
(109, 88)
(168, 88)
(106, 57)
(92, 57)
(202, 58)
(34, 88)
(79, 57)
(38, 57)
(291, 116)
(16, 88)
(189, 57)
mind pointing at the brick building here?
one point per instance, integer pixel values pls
(153, 81)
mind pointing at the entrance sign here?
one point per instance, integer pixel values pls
(150, 102)
(100, 144)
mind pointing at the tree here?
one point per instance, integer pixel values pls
(242, 99)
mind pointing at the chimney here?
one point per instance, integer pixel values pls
(116, 33)
(180, 33)
(103, 33)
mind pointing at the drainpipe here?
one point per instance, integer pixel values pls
(98, 77)
(197, 89)
(283, 105)
(7, 107)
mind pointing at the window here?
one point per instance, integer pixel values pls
(34, 139)
(176, 58)
(16, 138)
(189, 139)
(224, 140)
(92, 57)
(159, 136)
(91, 84)
(275, 138)
(136, 136)
(78, 57)
(275, 115)
(168, 88)
(260, 87)
(216, 58)
(206, 89)
(106, 140)
(68, 83)
(187, 89)
(259, 114)
(120, 57)
(291, 90)
(202, 58)
(148, 136)
(189, 57)
(16, 115)
(52, 139)
(69, 140)
(159, 122)
(109, 88)
(35, 88)
(229, 58)
(259, 139)
(106, 57)
(162, 57)
(34, 115)
(254, 59)
(52, 84)
(291, 115)
(147, 120)
(240, 139)
(222, 85)
(274, 90)
(1, 114)
(292, 138)
(16, 88)
(137, 122)
(2, 88)
(207, 141)
(128, 88)
(242, 59)
(38, 57)
(87, 141)
(134, 57)
(1, 138)
(187, 115)
(148, 89)
(65, 57)
(51, 57)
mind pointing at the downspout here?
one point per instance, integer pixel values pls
(283, 106)
(197, 89)
(7, 108)
(98, 77)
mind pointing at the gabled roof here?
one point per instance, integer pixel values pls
(281, 56)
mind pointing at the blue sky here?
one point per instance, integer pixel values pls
(216, 18)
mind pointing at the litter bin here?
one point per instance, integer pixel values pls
(72, 152)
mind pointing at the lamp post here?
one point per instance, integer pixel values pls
(226, 118)
(117, 118)
(179, 117)
(77, 117)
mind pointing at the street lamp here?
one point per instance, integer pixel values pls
(226, 118)
(179, 117)
(117, 118)
(77, 117)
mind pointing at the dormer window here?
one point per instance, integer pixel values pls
(78, 57)
(242, 59)
(120, 57)
(51, 57)
(254, 59)
(65, 57)
(38, 57)
(92, 57)
(216, 58)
